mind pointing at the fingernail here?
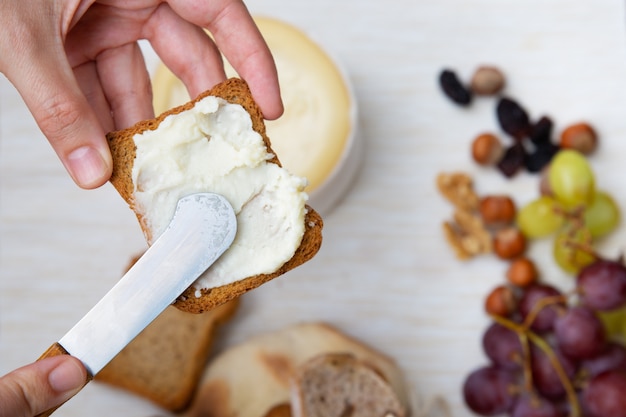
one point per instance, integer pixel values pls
(87, 167)
(67, 376)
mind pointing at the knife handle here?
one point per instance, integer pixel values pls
(57, 350)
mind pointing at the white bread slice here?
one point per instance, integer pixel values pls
(123, 149)
(255, 378)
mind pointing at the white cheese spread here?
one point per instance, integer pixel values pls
(213, 148)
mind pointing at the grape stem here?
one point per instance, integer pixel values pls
(540, 305)
(525, 335)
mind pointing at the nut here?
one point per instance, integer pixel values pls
(509, 243)
(458, 189)
(487, 81)
(581, 137)
(467, 235)
(497, 210)
(522, 272)
(501, 302)
(487, 149)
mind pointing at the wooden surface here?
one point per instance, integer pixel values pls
(384, 273)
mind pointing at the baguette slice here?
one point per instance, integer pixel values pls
(165, 361)
(339, 384)
(123, 150)
(257, 377)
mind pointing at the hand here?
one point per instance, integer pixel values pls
(40, 386)
(81, 73)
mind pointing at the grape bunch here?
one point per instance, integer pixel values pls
(551, 355)
(572, 209)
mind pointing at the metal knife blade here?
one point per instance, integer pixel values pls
(203, 227)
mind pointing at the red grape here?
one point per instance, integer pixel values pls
(603, 285)
(503, 347)
(487, 391)
(535, 406)
(579, 333)
(612, 357)
(605, 395)
(545, 377)
(544, 321)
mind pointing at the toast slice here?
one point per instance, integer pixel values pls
(266, 375)
(123, 149)
(165, 361)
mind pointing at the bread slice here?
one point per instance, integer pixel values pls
(123, 149)
(165, 361)
(338, 385)
(257, 378)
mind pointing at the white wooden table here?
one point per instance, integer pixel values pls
(384, 273)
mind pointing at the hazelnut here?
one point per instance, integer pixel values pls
(497, 210)
(522, 272)
(580, 137)
(487, 149)
(501, 302)
(487, 81)
(509, 243)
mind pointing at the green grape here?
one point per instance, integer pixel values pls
(540, 217)
(571, 249)
(602, 215)
(614, 323)
(571, 178)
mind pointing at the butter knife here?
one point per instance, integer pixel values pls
(202, 228)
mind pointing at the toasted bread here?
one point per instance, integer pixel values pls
(123, 149)
(265, 376)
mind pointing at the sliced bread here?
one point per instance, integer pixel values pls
(339, 385)
(266, 375)
(124, 151)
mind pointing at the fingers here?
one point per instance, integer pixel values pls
(49, 89)
(186, 50)
(126, 84)
(42, 385)
(243, 45)
(89, 82)
(239, 39)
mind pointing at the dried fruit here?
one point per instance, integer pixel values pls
(509, 243)
(580, 137)
(513, 118)
(513, 160)
(487, 149)
(487, 81)
(497, 210)
(454, 89)
(541, 131)
(538, 159)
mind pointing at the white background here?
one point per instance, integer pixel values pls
(384, 273)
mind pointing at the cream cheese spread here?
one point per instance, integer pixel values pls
(212, 147)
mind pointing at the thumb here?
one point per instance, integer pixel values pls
(46, 82)
(40, 386)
